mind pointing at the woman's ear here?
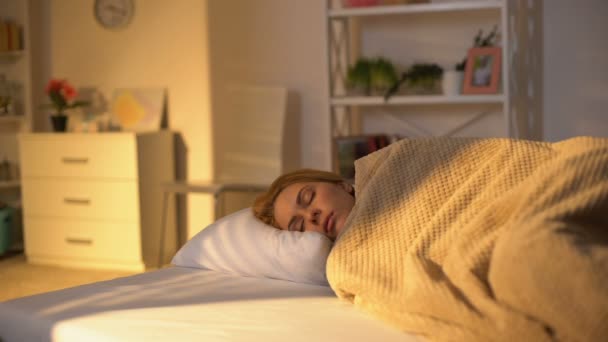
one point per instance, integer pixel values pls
(348, 187)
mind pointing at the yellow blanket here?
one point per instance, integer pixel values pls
(462, 239)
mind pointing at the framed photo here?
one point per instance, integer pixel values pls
(482, 73)
(138, 110)
(350, 148)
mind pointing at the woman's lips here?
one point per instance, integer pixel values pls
(330, 223)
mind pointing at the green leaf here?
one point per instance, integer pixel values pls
(359, 74)
(78, 104)
(58, 101)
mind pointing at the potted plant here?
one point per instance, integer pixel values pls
(424, 78)
(382, 75)
(62, 96)
(371, 76)
(358, 77)
(420, 78)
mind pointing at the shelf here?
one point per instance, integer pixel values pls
(12, 54)
(417, 8)
(11, 119)
(9, 184)
(416, 100)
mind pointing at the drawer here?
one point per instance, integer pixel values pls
(82, 239)
(102, 200)
(79, 156)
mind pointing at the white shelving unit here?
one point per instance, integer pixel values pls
(437, 32)
(15, 65)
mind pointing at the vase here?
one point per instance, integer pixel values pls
(59, 122)
(452, 82)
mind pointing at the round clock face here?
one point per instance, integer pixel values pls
(114, 13)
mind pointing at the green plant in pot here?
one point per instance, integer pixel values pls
(423, 78)
(420, 77)
(359, 75)
(369, 76)
(382, 76)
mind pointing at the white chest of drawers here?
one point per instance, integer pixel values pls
(94, 200)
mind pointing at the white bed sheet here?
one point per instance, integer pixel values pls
(185, 304)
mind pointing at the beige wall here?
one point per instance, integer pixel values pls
(166, 45)
(205, 47)
(197, 48)
(281, 43)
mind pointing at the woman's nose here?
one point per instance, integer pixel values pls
(314, 215)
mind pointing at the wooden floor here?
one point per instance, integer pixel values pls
(19, 279)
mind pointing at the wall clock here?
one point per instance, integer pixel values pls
(114, 14)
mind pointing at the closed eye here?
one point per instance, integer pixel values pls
(296, 224)
(303, 199)
(308, 196)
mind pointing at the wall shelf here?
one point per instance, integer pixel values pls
(416, 8)
(12, 54)
(11, 119)
(438, 32)
(14, 184)
(416, 100)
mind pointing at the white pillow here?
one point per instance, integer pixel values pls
(241, 244)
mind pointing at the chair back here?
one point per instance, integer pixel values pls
(255, 127)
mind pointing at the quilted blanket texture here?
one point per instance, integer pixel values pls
(462, 239)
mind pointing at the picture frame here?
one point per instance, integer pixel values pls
(138, 109)
(347, 149)
(482, 72)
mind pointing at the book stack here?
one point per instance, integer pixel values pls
(350, 148)
(10, 36)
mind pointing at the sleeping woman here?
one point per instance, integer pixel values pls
(464, 239)
(307, 200)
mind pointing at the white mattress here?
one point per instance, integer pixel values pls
(184, 304)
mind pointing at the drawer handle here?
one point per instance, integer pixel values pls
(71, 160)
(79, 241)
(80, 201)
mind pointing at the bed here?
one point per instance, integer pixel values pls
(236, 280)
(449, 239)
(187, 304)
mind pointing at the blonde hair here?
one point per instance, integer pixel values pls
(263, 206)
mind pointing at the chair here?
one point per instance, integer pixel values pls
(250, 155)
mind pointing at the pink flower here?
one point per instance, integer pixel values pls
(62, 95)
(68, 91)
(54, 86)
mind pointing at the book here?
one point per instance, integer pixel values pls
(3, 36)
(13, 36)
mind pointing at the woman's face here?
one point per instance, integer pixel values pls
(314, 207)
